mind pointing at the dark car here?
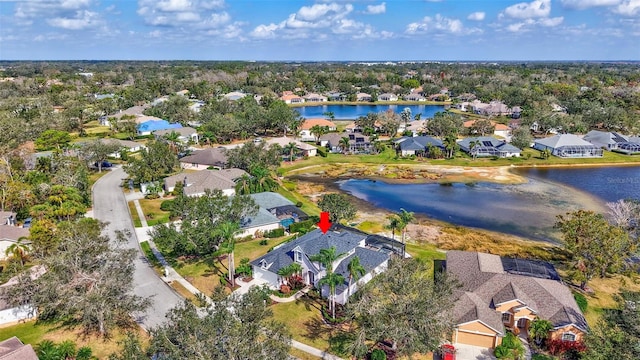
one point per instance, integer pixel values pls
(105, 164)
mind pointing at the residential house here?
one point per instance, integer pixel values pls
(186, 135)
(12, 313)
(196, 105)
(290, 98)
(148, 127)
(417, 127)
(304, 148)
(613, 141)
(305, 128)
(14, 349)
(196, 183)
(373, 252)
(214, 158)
(136, 111)
(499, 294)
(498, 129)
(234, 95)
(336, 96)
(129, 146)
(483, 146)
(358, 143)
(364, 97)
(10, 232)
(274, 212)
(312, 97)
(415, 97)
(494, 108)
(568, 145)
(417, 145)
(387, 97)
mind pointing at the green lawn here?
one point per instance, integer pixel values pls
(152, 211)
(425, 252)
(252, 249)
(308, 206)
(134, 214)
(304, 321)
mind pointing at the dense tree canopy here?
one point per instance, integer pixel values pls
(339, 207)
(154, 162)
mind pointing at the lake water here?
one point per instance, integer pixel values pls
(351, 112)
(527, 210)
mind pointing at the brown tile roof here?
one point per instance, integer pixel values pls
(309, 123)
(14, 349)
(483, 276)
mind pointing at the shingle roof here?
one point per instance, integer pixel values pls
(198, 182)
(209, 157)
(496, 143)
(12, 233)
(309, 123)
(369, 259)
(123, 143)
(418, 142)
(14, 349)
(560, 140)
(270, 200)
(481, 276)
(265, 201)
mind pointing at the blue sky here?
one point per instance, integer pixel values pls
(320, 30)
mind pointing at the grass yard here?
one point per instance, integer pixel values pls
(425, 252)
(134, 214)
(33, 333)
(152, 211)
(299, 354)
(146, 249)
(604, 290)
(304, 321)
(252, 249)
(288, 191)
(371, 227)
(183, 291)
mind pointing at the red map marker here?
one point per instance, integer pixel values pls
(324, 223)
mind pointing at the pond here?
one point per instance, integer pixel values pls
(352, 112)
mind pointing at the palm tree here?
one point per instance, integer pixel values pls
(539, 330)
(18, 250)
(326, 257)
(393, 224)
(405, 115)
(472, 145)
(261, 180)
(546, 153)
(243, 185)
(317, 131)
(356, 271)
(290, 270)
(332, 280)
(227, 233)
(67, 349)
(173, 138)
(344, 144)
(291, 149)
(450, 144)
(47, 350)
(329, 114)
(406, 217)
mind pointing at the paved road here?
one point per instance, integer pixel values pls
(110, 205)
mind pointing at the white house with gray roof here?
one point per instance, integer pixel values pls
(373, 251)
(568, 145)
(417, 145)
(196, 183)
(185, 134)
(483, 146)
(614, 141)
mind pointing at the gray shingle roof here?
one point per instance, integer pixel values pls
(198, 182)
(418, 142)
(208, 157)
(480, 276)
(269, 200)
(369, 259)
(560, 140)
(14, 349)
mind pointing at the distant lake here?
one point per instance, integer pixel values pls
(609, 183)
(352, 112)
(527, 210)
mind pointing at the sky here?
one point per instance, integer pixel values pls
(300, 30)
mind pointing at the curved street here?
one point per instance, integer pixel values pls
(110, 206)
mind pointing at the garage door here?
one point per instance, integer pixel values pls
(475, 339)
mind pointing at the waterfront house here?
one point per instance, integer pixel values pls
(196, 183)
(387, 97)
(415, 97)
(374, 252)
(364, 97)
(499, 294)
(358, 143)
(303, 148)
(568, 145)
(305, 128)
(336, 96)
(312, 97)
(613, 141)
(417, 145)
(498, 129)
(290, 98)
(215, 158)
(483, 146)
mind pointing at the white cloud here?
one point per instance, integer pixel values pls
(585, 4)
(83, 19)
(476, 16)
(316, 22)
(439, 24)
(197, 14)
(64, 14)
(534, 9)
(529, 24)
(551, 22)
(376, 9)
(628, 8)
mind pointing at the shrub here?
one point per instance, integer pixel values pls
(559, 347)
(378, 354)
(502, 352)
(166, 205)
(263, 242)
(302, 225)
(275, 233)
(244, 268)
(581, 301)
(299, 204)
(322, 152)
(285, 289)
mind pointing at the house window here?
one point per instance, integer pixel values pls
(568, 336)
(263, 264)
(506, 317)
(298, 256)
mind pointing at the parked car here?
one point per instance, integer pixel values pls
(27, 223)
(105, 164)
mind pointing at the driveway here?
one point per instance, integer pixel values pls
(470, 352)
(110, 206)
